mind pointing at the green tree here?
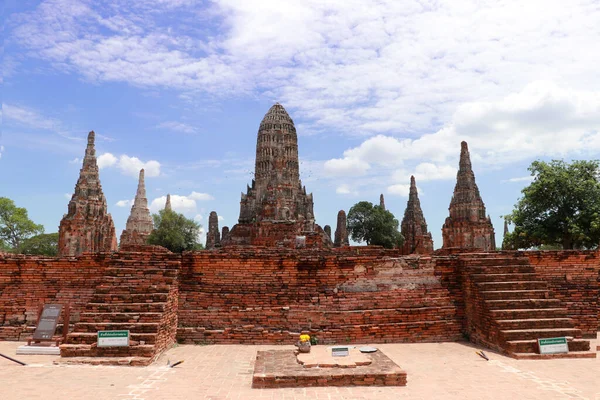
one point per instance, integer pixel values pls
(561, 207)
(42, 245)
(374, 225)
(174, 231)
(15, 225)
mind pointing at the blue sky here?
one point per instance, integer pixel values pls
(379, 90)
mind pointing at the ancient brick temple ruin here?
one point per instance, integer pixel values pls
(269, 290)
(467, 226)
(417, 239)
(87, 226)
(213, 236)
(139, 224)
(276, 210)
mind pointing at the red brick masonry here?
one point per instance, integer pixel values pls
(279, 368)
(257, 295)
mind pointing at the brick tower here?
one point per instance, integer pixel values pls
(276, 208)
(213, 236)
(87, 226)
(139, 224)
(417, 239)
(467, 226)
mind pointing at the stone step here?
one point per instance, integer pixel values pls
(124, 272)
(139, 288)
(126, 307)
(518, 304)
(513, 294)
(557, 312)
(513, 285)
(146, 327)
(153, 279)
(125, 317)
(90, 337)
(533, 356)
(107, 361)
(482, 261)
(500, 269)
(504, 277)
(528, 334)
(130, 298)
(531, 346)
(87, 350)
(536, 323)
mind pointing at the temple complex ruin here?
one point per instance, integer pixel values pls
(467, 226)
(87, 226)
(417, 239)
(139, 224)
(276, 275)
(275, 210)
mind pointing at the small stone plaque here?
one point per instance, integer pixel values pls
(340, 351)
(47, 323)
(113, 338)
(553, 345)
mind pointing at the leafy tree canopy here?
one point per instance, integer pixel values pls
(374, 225)
(15, 225)
(175, 232)
(43, 245)
(560, 207)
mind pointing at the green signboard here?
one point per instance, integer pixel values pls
(113, 338)
(553, 345)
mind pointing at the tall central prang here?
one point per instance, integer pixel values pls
(276, 210)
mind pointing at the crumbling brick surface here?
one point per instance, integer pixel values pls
(268, 296)
(574, 278)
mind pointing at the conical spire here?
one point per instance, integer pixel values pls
(505, 227)
(417, 239)
(87, 226)
(139, 224)
(466, 201)
(467, 226)
(168, 203)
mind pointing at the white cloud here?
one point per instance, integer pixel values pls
(345, 189)
(129, 166)
(68, 196)
(183, 204)
(346, 167)
(124, 203)
(76, 160)
(426, 172)
(106, 160)
(520, 179)
(541, 120)
(399, 190)
(177, 127)
(200, 196)
(360, 66)
(1, 151)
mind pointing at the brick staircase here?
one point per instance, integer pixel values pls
(135, 295)
(509, 307)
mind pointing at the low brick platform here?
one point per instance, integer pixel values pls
(280, 369)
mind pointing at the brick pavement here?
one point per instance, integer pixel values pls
(435, 371)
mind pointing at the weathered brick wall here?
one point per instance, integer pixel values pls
(350, 295)
(574, 278)
(26, 282)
